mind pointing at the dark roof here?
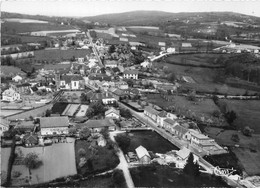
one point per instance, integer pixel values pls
(100, 77)
(119, 92)
(69, 78)
(49, 122)
(170, 121)
(23, 85)
(100, 123)
(30, 138)
(162, 114)
(131, 72)
(180, 129)
(100, 96)
(151, 110)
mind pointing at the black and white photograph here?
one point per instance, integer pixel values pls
(130, 93)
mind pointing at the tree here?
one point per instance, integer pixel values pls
(32, 161)
(192, 96)
(84, 97)
(84, 133)
(230, 116)
(247, 131)
(105, 133)
(235, 138)
(95, 109)
(190, 167)
(172, 77)
(216, 113)
(48, 113)
(123, 141)
(125, 113)
(82, 152)
(118, 178)
(111, 49)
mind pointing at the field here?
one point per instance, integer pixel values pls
(82, 111)
(70, 109)
(168, 176)
(21, 20)
(59, 107)
(248, 113)
(9, 112)
(5, 155)
(15, 27)
(56, 54)
(53, 157)
(101, 158)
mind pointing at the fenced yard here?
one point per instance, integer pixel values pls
(70, 109)
(58, 161)
(82, 110)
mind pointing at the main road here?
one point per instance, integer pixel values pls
(94, 49)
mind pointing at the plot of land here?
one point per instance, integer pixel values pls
(59, 107)
(70, 109)
(82, 111)
(72, 96)
(5, 155)
(248, 113)
(9, 112)
(58, 161)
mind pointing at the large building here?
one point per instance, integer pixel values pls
(54, 125)
(131, 74)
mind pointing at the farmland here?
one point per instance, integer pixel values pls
(70, 109)
(53, 157)
(248, 113)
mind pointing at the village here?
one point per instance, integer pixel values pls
(79, 115)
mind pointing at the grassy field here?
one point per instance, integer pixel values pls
(56, 54)
(82, 111)
(53, 157)
(102, 158)
(248, 113)
(5, 155)
(70, 109)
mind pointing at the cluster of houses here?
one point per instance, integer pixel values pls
(183, 131)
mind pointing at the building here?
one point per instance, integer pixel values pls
(181, 132)
(146, 64)
(112, 113)
(23, 88)
(182, 157)
(131, 74)
(54, 125)
(4, 126)
(10, 95)
(161, 117)
(95, 126)
(106, 98)
(111, 64)
(30, 140)
(121, 85)
(143, 155)
(71, 82)
(101, 141)
(17, 78)
(186, 45)
(151, 113)
(169, 124)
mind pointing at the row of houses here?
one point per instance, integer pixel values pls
(182, 131)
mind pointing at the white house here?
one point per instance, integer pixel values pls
(54, 125)
(17, 78)
(182, 156)
(146, 64)
(71, 82)
(160, 118)
(170, 50)
(111, 64)
(143, 155)
(131, 74)
(112, 113)
(10, 95)
(151, 113)
(4, 126)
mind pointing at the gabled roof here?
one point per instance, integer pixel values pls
(162, 114)
(31, 138)
(170, 121)
(183, 153)
(118, 92)
(112, 110)
(9, 92)
(49, 122)
(100, 96)
(180, 129)
(130, 72)
(200, 136)
(151, 110)
(141, 152)
(69, 78)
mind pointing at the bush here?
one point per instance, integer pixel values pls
(235, 138)
(82, 152)
(123, 141)
(118, 178)
(16, 174)
(216, 113)
(247, 131)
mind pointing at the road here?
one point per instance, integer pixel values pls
(123, 165)
(95, 50)
(179, 143)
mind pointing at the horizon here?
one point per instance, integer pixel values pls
(95, 8)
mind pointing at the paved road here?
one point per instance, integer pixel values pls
(95, 50)
(123, 165)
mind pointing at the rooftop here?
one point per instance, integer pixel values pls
(151, 110)
(49, 122)
(131, 72)
(141, 152)
(183, 153)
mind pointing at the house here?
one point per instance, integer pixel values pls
(131, 74)
(181, 132)
(10, 95)
(112, 113)
(161, 117)
(146, 64)
(111, 64)
(17, 78)
(166, 87)
(23, 126)
(186, 45)
(30, 140)
(169, 124)
(171, 116)
(118, 94)
(4, 126)
(143, 155)
(54, 125)
(201, 140)
(182, 157)
(121, 85)
(151, 113)
(95, 126)
(106, 98)
(161, 43)
(71, 82)
(22, 88)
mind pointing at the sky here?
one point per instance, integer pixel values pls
(80, 8)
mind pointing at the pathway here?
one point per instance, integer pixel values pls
(123, 165)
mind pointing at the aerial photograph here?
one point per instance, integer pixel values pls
(131, 93)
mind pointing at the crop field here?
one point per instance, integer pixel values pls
(82, 111)
(70, 109)
(248, 113)
(5, 155)
(57, 54)
(15, 27)
(53, 157)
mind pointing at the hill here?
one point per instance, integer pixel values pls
(158, 17)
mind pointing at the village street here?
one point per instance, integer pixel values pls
(123, 165)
